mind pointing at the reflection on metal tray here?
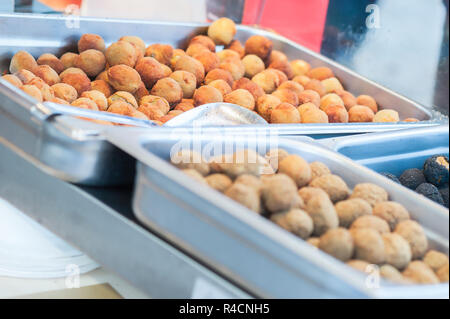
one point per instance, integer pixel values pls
(252, 251)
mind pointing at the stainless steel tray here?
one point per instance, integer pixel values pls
(76, 151)
(257, 254)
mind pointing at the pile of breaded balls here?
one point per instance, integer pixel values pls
(159, 82)
(360, 227)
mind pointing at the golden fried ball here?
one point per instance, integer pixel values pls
(372, 222)
(371, 193)
(68, 60)
(80, 82)
(278, 193)
(251, 181)
(258, 45)
(332, 85)
(163, 53)
(236, 68)
(219, 182)
(121, 52)
(65, 92)
(47, 74)
(420, 273)
(286, 96)
(228, 55)
(237, 46)
(160, 102)
(33, 91)
(369, 245)
(368, 101)
(150, 71)
(46, 90)
(435, 259)
(338, 243)
(169, 89)
(137, 41)
(348, 98)
(91, 61)
(415, 236)
(124, 78)
(386, 115)
(192, 160)
(102, 86)
(315, 85)
(297, 168)
(141, 91)
(320, 73)
(186, 81)
(98, 97)
(397, 250)
(196, 49)
(292, 86)
(391, 273)
(52, 61)
(219, 74)
(309, 96)
(126, 109)
(152, 111)
(208, 59)
(280, 75)
(205, 41)
(22, 60)
(336, 114)
(189, 64)
(91, 41)
(265, 104)
(123, 97)
(183, 106)
(360, 113)
(300, 67)
(240, 97)
(302, 109)
(285, 113)
(25, 76)
(391, 212)
(177, 53)
(306, 193)
(85, 103)
(276, 56)
(221, 85)
(330, 99)
(283, 66)
(267, 80)
(14, 80)
(244, 195)
(314, 116)
(222, 31)
(246, 84)
(295, 221)
(207, 94)
(333, 185)
(323, 214)
(351, 209)
(301, 79)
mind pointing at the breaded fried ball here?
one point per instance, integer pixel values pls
(85, 103)
(68, 60)
(207, 94)
(292, 86)
(189, 64)
(333, 185)
(420, 273)
(222, 31)
(124, 97)
(323, 214)
(220, 85)
(152, 111)
(265, 104)
(137, 41)
(330, 99)
(320, 73)
(98, 97)
(397, 250)
(228, 55)
(285, 113)
(415, 236)
(196, 49)
(102, 86)
(372, 222)
(316, 86)
(371, 193)
(245, 196)
(318, 169)
(150, 71)
(161, 52)
(22, 60)
(183, 106)
(336, 114)
(237, 46)
(65, 92)
(177, 53)
(301, 79)
(219, 182)
(295, 221)
(284, 67)
(338, 243)
(258, 45)
(297, 168)
(141, 91)
(360, 113)
(121, 52)
(286, 96)
(186, 81)
(205, 41)
(392, 212)
(46, 90)
(332, 85)
(25, 76)
(300, 67)
(47, 74)
(92, 62)
(306, 193)
(33, 91)
(161, 102)
(309, 96)
(236, 68)
(392, 274)
(267, 80)
(80, 82)
(169, 89)
(102, 76)
(348, 98)
(386, 116)
(124, 78)
(368, 101)
(240, 97)
(369, 245)
(219, 74)
(52, 61)
(278, 193)
(302, 109)
(250, 86)
(251, 181)
(276, 56)
(208, 59)
(435, 259)
(91, 41)
(351, 209)
(280, 75)
(126, 109)
(14, 80)
(275, 156)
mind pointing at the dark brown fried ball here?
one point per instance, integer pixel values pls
(169, 89)
(150, 71)
(360, 113)
(25, 76)
(138, 42)
(286, 96)
(258, 45)
(124, 78)
(14, 80)
(207, 94)
(285, 113)
(189, 64)
(222, 31)
(219, 74)
(161, 52)
(33, 91)
(187, 82)
(284, 67)
(121, 52)
(265, 104)
(22, 60)
(250, 86)
(65, 92)
(208, 59)
(207, 42)
(52, 61)
(68, 60)
(320, 73)
(91, 61)
(240, 97)
(237, 46)
(221, 85)
(91, 41)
